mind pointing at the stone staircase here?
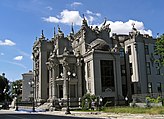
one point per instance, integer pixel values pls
(46, 106)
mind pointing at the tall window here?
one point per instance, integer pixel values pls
(159, 89)
(121, 52)
(51, 73)
(88, 69)
(72, 68)
(150, 87)
(129, 50)
(60, 70)
(157, 68)
(148, 68)
(48, 76)
(131, 68)
(107, 74)
(60, 91)
(146, 49)
(155, 47)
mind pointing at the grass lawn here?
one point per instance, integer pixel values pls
(135, 110)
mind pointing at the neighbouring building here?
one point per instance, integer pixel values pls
(27, 91)
(92, 61)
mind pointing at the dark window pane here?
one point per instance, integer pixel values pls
(107, 75)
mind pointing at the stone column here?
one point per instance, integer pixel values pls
(64, 82)
(54, 92)
(50, 78)
(65, 66)
(79, 78)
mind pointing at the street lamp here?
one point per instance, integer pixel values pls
(16, 93)
(68, 91)
(31, 83)
(100, 102)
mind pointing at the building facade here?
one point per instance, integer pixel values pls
(27, 93)
(92, 61)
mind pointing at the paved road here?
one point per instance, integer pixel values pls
(11, 114)
(7, 114)
(36, 116)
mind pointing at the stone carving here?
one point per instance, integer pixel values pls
(134, 32)
(65, 62)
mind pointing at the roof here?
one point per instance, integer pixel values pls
(99, 44)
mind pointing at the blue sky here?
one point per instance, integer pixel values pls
(21, 21)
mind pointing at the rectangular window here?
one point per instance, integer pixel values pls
(146, 49)
(129, 50)
(157, 68)
(131, 69)
(60, 91)
(88, 69)
(107, 75)
(48, 76)
(159, 89)
(148, 68)
(150, 87)
(51, 72)
(60, 70)
(155, 47)
(121, 52)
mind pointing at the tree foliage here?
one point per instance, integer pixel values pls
(4, 88)
(86, 101)
(18, 91)
(160, 49)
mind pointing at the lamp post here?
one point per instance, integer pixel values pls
(16, 93)
(68, 91)
(100, 102)
(31, 83)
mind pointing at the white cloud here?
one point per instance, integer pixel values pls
(91, 13)
(7, 42)
(69, 17)
(2, 53)
(18, 58)
(66, 17)
(120, 27)
(75, 4)
(51, 19)
(91, 16)
(90, 19)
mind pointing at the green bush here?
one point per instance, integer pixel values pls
(86, 101)
(154, 100)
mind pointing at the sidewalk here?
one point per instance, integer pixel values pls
(103, 115)
(79, 114)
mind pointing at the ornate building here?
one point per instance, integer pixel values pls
(90, 61)
(27, 93)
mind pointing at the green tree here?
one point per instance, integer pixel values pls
(86, 101)
(160, 49)
(4, 88)
(18, 91)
